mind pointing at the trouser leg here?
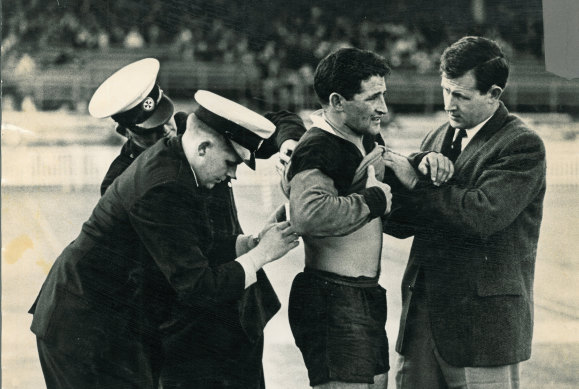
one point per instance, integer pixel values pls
(496, 377)
(418, 367)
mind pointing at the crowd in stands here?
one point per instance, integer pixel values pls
(279, 43)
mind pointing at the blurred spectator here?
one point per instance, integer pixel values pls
(28, 104)
(26, 66)
(134, 39)
(183, 44)
(153, 35)
(103, 40)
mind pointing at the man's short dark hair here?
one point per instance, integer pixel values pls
(344, 70)
(482, 55)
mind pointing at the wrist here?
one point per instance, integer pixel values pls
(259, 256)
(244, 243)
(253, 241)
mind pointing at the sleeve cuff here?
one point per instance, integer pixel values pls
(247, 262)
(416, 158)
(376, 201)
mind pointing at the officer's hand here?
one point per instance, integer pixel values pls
(371, 181)
(285, 152)
(440, 168)
(279, 215)
(276, 241)
(401, 167)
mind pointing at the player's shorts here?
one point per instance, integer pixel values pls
(338, 324)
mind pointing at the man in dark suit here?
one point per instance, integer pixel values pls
(467, 291)
(147, 245)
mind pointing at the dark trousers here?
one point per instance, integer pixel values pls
(63, 371)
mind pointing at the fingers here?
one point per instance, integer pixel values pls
(371, 172)
(280, 214)
(284, 158)
(294, 244)
(440, 167)
(280, 167)
(283, 225)
(433, 163)
(287, 231)
(423, 167)
(449, 170)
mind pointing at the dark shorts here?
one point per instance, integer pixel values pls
(338, 324)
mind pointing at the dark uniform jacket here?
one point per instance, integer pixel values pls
(475, 244)
(224, 342)
(147, 243)
(128, 153)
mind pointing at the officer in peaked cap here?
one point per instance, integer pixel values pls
(142, 112)
(149, 254)
(132, 98)
(243, 128)
(221, 345)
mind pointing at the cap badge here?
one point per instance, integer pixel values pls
(149, 104)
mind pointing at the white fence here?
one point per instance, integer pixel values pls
(75, 167)
(67, 167)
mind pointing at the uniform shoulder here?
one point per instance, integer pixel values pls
(317, 149)
(160, 165)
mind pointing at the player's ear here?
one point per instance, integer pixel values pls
(337, 101)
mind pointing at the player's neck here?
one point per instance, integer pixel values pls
(342, 130)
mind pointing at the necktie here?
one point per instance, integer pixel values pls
(456, 146)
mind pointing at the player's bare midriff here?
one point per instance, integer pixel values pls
(353, 255)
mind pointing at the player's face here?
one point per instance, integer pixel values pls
(465, 105)
(365, 110)
(219, 163)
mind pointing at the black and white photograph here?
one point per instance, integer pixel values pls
(251, 194)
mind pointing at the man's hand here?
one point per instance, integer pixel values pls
(401, 167)
(275, 241)
(279, 215)
(441, 169)
(285, 152)
(371, 181)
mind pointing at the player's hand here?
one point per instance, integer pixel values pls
(371, 181)
(285, 153)
(276, 240)
(401, 167)
(439, 167)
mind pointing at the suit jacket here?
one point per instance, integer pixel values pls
(147, 244)
(475, 244)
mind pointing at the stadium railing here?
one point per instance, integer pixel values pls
(76, 167)
(530, 86)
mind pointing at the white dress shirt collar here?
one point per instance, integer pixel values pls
(471, 132)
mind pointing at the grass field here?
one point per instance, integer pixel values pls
(38, 223)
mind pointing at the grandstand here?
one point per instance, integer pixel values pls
(264, 54)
